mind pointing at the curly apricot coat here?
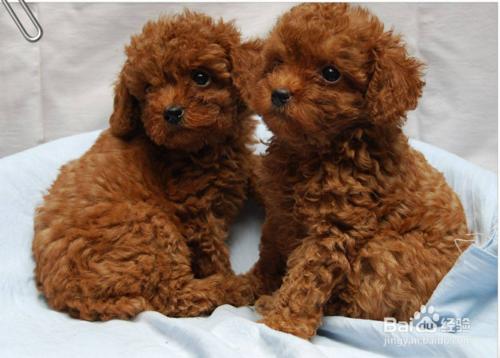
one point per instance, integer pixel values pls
(357, 222)
(139, 222)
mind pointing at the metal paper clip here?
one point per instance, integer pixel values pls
(27, 36)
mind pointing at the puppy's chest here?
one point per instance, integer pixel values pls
(192, 187)
(324, 197)
(182, 184)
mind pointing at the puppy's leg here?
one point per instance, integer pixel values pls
(394, 275)
(265, 277)
(209, 250)
(314, 269)
(110, 260)
(210, 255)
(192, 297)
(254, 187)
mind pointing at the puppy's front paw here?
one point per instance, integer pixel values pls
(296, 327)
(238, 291)
(264, 304)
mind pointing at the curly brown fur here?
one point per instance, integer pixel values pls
(139, 222)
(357, 222)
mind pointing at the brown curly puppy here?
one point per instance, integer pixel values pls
(139, 222)
(357, 222)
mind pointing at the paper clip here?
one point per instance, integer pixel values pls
(27, 36)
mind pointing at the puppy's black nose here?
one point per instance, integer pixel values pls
(173, 115)
(280, 96)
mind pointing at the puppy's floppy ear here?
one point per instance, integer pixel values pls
(246, 62)
(396, 82)
(123, 120)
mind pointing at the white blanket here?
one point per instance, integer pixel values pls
(28, 328)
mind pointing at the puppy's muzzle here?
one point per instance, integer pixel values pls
(174, 114)
(280, 96)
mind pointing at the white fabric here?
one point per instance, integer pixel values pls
(62, 85)
(28, 328)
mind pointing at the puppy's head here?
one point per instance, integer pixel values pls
(181, 82)
(330, 67)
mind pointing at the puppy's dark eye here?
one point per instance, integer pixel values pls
(201, 78)
(276, 63)
(273, 65)
(331, 74)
